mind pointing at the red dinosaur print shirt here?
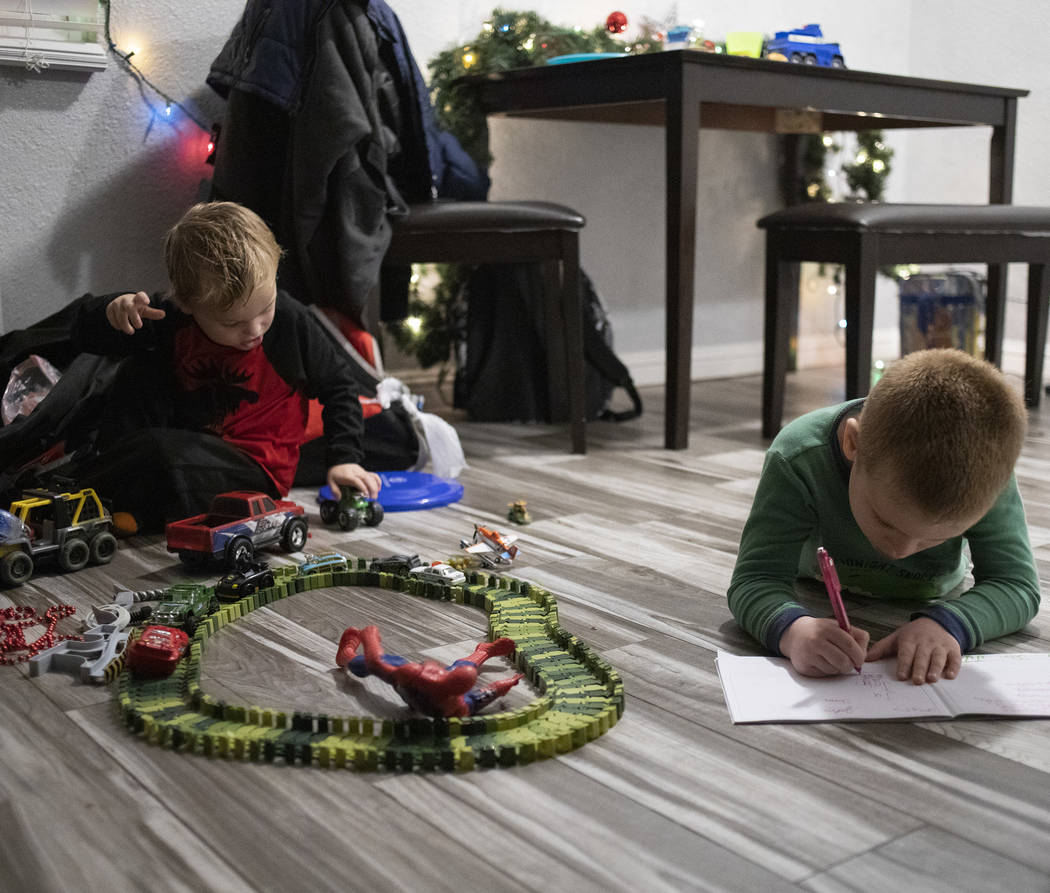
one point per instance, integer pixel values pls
(238, 395)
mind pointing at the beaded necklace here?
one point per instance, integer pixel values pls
(13, 623)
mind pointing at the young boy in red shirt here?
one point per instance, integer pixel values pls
(214, 395)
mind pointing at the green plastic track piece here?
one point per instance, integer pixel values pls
(580, 695)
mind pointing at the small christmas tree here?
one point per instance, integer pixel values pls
(866, 176)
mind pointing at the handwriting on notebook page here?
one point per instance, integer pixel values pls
(1001, 685)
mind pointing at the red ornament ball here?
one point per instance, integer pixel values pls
(616, 23)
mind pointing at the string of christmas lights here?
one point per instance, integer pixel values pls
(124, 60)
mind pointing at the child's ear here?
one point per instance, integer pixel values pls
(850, 438)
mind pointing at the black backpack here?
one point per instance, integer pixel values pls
(69, 412)
(501, 351)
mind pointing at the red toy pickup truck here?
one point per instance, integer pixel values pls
(238, 523)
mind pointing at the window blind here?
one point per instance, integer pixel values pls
(40, 34)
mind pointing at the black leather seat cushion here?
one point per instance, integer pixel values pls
(877, 217)
(506, 216)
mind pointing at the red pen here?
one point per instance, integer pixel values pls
(831, 583)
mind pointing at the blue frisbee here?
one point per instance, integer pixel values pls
(405, 491)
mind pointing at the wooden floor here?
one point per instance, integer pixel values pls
(638, 544)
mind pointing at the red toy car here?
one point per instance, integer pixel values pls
(156, 651)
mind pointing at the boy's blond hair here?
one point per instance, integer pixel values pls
(946, 428)
(217, 255)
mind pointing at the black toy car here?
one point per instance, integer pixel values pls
(249, 579)
(395, 564)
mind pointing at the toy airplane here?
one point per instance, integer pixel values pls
(490, 546)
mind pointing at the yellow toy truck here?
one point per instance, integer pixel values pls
(74, 528)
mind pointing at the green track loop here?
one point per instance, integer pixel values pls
(581, 696)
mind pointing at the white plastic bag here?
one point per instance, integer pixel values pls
(30, 382)
(438, 439)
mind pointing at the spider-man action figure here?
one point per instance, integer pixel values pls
(427, 686)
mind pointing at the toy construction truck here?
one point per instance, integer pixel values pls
(74, 528)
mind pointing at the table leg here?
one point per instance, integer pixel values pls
(861, 273)
(791, 193)
(682, 157)
(1000, 191)
(1035, 333)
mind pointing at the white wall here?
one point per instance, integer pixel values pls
(90, 179)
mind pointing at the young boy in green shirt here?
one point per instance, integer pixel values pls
(893, 486)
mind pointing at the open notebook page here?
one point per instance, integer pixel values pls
(1001, 685)
(767, 689)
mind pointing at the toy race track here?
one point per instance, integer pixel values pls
(580, 695)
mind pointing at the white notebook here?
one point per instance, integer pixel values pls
(767, 689)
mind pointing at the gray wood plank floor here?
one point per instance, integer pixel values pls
(638, 544)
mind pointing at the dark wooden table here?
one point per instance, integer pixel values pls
(684, 91)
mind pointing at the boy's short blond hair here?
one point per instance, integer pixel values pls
(946, 428)
(217, 255)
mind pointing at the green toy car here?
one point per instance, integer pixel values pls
(186, 606)
(350, 509)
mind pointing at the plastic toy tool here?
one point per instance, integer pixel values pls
(427, 686)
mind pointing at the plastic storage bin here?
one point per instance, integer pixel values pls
(942, 310)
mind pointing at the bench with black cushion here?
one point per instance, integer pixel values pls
(864, 237)
(509, 232)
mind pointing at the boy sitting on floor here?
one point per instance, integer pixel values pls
(214, 395)
(893, 486)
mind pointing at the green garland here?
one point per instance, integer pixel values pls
(866, 175)
(433, 327)
(509, 39)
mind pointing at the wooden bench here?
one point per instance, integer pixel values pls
(864, 237)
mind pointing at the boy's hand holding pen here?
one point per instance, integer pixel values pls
(831, 583)
(823, 646)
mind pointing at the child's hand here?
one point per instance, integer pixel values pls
(126, 313)
(820, 647)
(353, 475)
(925, 651)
